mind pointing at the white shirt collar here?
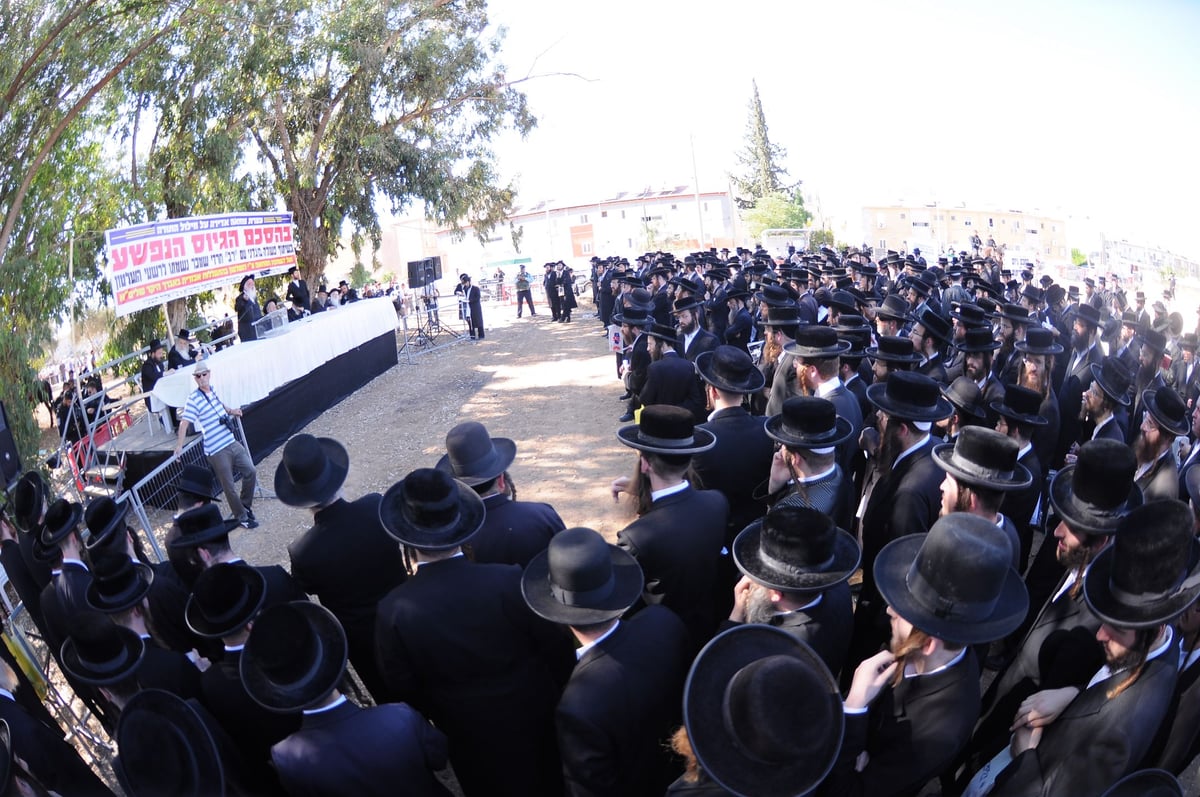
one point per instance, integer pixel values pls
(453, 556)
(1105, 673)
(825, 388)
(664, 492)
(910, 671)
(1102, 424)
(815, 477)
(689, 337)
(582, 650)
(70, 561)
(911, 449)
(341, 699)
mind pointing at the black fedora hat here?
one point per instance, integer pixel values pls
(1021, 405)
(730, 369)
(782, 316)
(62, 518)
(763, 713)
(294, 657)
(982, 457)
(99, 652)
(1146, 783)
(118, 583)
(224, 598)
(198, 481)
(935, 325)
(663, 333)
(843, 301)
(1039, 340)
(956, 582)
(1149, 575)
(201, 525)
(29, 496)
(775, 296)
(633, 316)
(685, 303)
(816, 342)
(311, 470)
(1088, 314)
(796, 549)
(1014, 313)
(910, 396)
(431, 510)
(105, 517)
(970, 315)
(475, 457)
(666, 429)
(1167, 409)
(1156, 340)
(1114, 379)
(580, 579)
(165, 748)
(808, 422)
(894, 349)
(894, 308)
(1093, 494)
(966, 397)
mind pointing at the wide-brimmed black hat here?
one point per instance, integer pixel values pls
(843, 301)
(666, 429)
(1149, 575)
(99, 652)
(1022, 405)
(224, 598)
(1015, 313)
(28, 498)
(782, 316)
(910, 396)
(430, 510)
(796, 549)
(982, 457)
(763, 713)
(663, 333)
(62, 518)
(1146, 783)
(956, 583)
(1156, 340)
(935, 325)
(816, 342)
(581, 580)
(165, 748)
(201, 525)
(1167, 409)
(1039, 340)
(1088, 314)
(775, 296)
(966, 397)
(808, 422)
(971, 315)
(105, 519)
(686, 303)
(730, 369)
(894, 349)
(198, 481)
(1093, 494)
(633, 316)
(475, 457)
(311, 470)
(1114, 379)
(894, 308)
(294, 657)
(118, 583)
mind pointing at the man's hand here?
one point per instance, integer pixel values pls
(619, 485)
(869, 679)
(1024, 738)
(741, 597)
(1042, 708)
(780, 475)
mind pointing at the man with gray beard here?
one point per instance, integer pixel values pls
(795, 564)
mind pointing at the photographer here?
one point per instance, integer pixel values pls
(225, 454)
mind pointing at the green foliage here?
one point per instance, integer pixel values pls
(761, 173)
(820, 238)
(360, 275)
(776, 211)
(1078, 258)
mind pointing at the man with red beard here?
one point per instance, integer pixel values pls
(1059, 647)
(1037, 355)
(1165, 419)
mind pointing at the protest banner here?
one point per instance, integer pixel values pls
(152, 263)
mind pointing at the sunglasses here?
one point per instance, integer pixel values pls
(200, 376)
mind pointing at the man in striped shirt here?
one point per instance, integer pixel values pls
(225, 454)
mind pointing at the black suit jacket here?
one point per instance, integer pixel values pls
(906, 501)
(49, 758)
(825, 627)
(620, 707)
(28, 590)
(678, 544)
(1097, 740)
(737, 333)
(169, 671)
(704, 341)
(298, 291)
(514, 531)
(912, 732)
(367, 752)
(737, 464)
(281, 587)
(350, 563)
(639, 364)
(672, 380)
(458, 643)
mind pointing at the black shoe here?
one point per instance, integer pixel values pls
(250, 513)
(249, 523)
(626, 418)
(625, 397)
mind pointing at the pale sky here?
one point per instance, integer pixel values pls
(1088, 109)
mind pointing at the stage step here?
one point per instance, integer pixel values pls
(103, 473)
(100, 490)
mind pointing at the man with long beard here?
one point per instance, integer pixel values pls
(911, 707)
(1148, 377)
(1037, 358)
(1014, 321)
(1165, 419)
(693, 337)
(1059, 647)
(977, 347)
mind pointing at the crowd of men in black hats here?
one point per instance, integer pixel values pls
(835, 536)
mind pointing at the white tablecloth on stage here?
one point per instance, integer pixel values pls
(248, 372)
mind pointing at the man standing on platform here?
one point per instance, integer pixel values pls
(225, 454)
(152, 368)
